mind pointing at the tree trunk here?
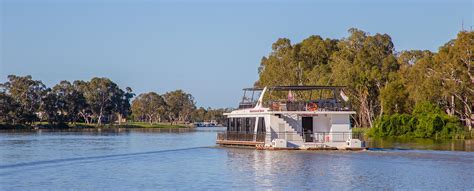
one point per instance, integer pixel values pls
(468, 114)
(99, 120)
(119, 117)
(86, 119)
(364, 111)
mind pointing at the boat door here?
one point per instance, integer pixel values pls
(307, 124)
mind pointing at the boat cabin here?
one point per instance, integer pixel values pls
(302, 117)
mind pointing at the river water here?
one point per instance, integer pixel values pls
(185, 160)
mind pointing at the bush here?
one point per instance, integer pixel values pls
(426, 121)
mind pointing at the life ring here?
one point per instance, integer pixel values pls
(312, 106)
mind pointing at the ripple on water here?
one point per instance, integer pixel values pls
(144, 160)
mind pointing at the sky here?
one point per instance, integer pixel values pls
(211, 49)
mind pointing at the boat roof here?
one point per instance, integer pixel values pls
(295, 88)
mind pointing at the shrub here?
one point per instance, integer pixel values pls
(426, 121)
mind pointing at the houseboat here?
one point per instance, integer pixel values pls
(292, 117)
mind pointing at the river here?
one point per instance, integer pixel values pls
(188, 160)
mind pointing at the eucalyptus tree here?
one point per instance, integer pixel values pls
(364, 63)
(122, 104)
(199, 115)
(455, 69)
(279, 68)
(180, 105)
(8, 108)
(150, 107)
(303, 63)
(52, 107)
(418, 76)
(84, 109)
(27, 93)
(72, 100)
(313, 55)
(104, 98)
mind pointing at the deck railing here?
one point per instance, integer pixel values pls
(319, 137)
(241, 136)
(322, 105)
(282, 105)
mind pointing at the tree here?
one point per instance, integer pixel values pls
(364, 63)
(393, 97)
(455, 68)
(149, 107)
(417, 75)
(122, 107)
(278, 68)
(73, 101)
(27, 93)
(8, 108)
(102, 96)
(51, 107)
(180, 105)
(199, 115)
(84, 110)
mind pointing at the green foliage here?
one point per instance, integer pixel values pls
(71, 99)
(8, 108)
(26, 94)
(209, 114)
(393, 96)
(149, 107)
(25, 101)
(379, 81)
(426, 121)
(180, 105)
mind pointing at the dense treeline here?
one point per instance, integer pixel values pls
(25, 101)
(209, 114)
(380, 81)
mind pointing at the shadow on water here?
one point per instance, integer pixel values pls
(55, 161)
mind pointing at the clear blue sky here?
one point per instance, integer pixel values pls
(210, 49)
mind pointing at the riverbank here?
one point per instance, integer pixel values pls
(129, 125)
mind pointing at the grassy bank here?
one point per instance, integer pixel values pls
(45, 125)
(154, 125)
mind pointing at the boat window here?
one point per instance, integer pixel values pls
(249, 124)
(227, 122)
(261, 125)
(245, 124)
(232, 125)
(238, 124)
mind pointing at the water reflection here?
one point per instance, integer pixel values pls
(424, 144)
(390, 169)
(341, 170)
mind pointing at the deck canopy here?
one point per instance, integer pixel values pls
(325, 97)
(296, 88)
(305, 88)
